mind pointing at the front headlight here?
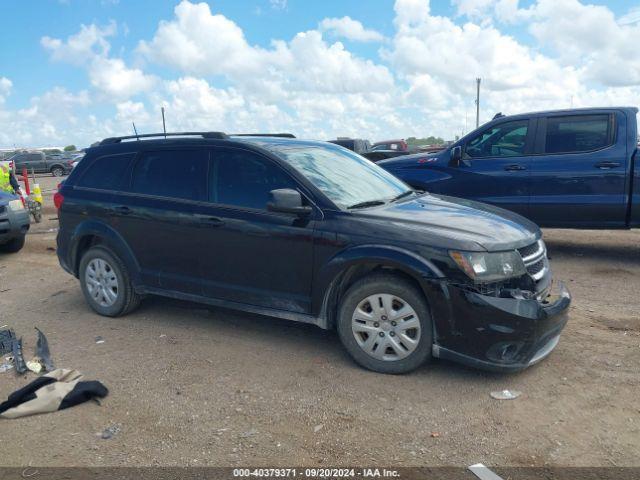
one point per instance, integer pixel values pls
(489, 267)
(15, 205)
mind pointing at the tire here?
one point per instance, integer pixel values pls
(14, 245)
(356, 327)
(101, 294)
(57, 171)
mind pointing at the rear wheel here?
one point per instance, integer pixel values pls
(384, 323)
(57, 171)
(106, 284)
(13, 246)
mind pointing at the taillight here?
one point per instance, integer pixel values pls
(58, 198)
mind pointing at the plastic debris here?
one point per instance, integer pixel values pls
(506, 394)
(483, 473)
(6, 340)
(5, 367)
(43, 353)
(99, 340)
(35, 365)
(435, 434)
(317, 428)
(18, 359)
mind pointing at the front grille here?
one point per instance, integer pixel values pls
(529, 250)
(534, 257)
(535, 267)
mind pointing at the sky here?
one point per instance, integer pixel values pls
(76, 71)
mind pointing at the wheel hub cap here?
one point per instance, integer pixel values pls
(386, 327)
(101, 282)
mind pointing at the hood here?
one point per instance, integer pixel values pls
(403, 160)
(457, 223)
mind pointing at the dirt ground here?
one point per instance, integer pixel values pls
(192, 386)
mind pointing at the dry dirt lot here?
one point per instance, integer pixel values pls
(196, 386)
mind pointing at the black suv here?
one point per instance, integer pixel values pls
(312, 232)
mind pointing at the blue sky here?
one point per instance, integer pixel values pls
(373, 69)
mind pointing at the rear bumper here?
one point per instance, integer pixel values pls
(13, 224)
(503, 334)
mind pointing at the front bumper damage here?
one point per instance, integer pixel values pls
(505, 333)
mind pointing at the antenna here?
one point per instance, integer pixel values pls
(134, 130)
(164, 128)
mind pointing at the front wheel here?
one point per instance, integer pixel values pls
(106, 284)
(14, 245)
(384, 323)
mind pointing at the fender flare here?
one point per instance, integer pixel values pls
(110, 238)
(328, 277)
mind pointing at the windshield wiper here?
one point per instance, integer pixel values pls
(406, 193)
(368, 203)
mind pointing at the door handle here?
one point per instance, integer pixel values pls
(607, 165)
(122, 210)
(515, 168)
(211, 221)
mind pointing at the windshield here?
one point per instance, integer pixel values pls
(344, 176)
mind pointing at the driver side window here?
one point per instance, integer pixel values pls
(503, 140)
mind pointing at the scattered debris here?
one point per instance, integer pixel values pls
(35, 365)
(18, 359)
(6, 340)
(51, 392)
(43, 353)
(506, 394)
(483, 473)
(51, 249)
(435, 434)
(317, 428)
(110, 431)
(99, 339)
(248, 433)
(5, 367)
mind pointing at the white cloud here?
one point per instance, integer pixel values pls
(278, 4)
(112, 77)
(631, 17)
(89, 48)
(351, 29)
(89, 42)
(5, 88)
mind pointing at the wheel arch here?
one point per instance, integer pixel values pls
(91, 233)
(344, 269)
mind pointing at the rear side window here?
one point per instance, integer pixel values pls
(174, 174)
(578, 133)
(107, 173)
(244, 179)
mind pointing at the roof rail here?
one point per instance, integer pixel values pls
(216, 135)
(281, 135)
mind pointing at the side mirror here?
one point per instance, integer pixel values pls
(287, 200)
(456, 157)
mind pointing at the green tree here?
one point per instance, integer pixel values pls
(70, 148)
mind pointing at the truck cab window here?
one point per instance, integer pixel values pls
(503, 140)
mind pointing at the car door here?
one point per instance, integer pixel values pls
(156, 216)
(253, 256)
(579, 176)
(37, 162)
(494, 167)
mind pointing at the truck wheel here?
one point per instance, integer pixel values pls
(384, 323)
(13, 246)
(57, 171)
(106, 284)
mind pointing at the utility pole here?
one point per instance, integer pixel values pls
(478, 102)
